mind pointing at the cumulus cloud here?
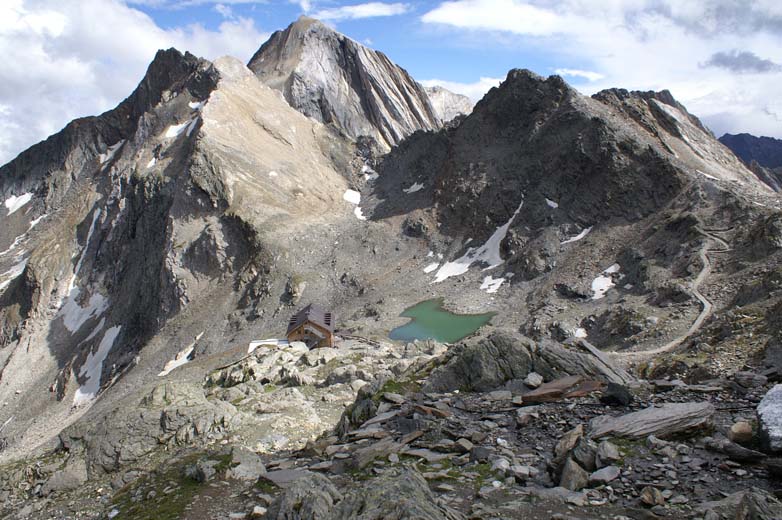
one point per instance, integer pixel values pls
(367, 10)
(742, 62)
(577, 73)
(645, 45)
(65, 59)
(474, 91)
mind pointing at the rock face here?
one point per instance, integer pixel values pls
(447, 104)
(335, 80)
(770, 418)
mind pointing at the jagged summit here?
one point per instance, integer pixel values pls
(335, 80)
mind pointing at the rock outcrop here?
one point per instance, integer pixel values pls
(335, 80)
(447, 104)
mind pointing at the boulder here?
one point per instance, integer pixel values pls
(604, 475)
(533, 380)
(756, 504)
(574, 477)
(616, 395)
(245, 465)
(770, 419)
(309, 497)
(607, 454)
(71, 477)
(401, 495)
(483, 365)
(671, 419)
(486, 364)
(651, 496)
(740, 432)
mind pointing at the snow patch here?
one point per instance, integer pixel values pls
(352, 196)
(491, 285)
(273, 174)
(191, 126)
(712, 177)
(180, 359)
(580, 333)
(111, 152)
(605, 281)
(93, 367)
(151, 163)
(14, 203)
(552, 204)
(175, 130)
(196, 105)
(578, 237)
(12, 273)
(431, 267)
(35, 222)
(13, 245)
(488, 253)
(414, 188)
(74, 315)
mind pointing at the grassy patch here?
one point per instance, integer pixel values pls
(161, 506)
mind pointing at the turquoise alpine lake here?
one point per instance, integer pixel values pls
(431, 321)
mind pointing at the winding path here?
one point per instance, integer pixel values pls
(706, 305)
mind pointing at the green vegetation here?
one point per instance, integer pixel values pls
(160, 505)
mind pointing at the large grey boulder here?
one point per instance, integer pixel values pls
(402, 495)
(484, 364)
(310, 497)
(71, 477)
(770, 418)
(666, 421)
(755, 504)
(487, 363)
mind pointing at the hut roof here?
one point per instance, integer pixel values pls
(315, 314)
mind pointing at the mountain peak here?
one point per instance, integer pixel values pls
(339, 82)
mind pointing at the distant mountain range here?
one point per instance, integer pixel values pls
(763, 155)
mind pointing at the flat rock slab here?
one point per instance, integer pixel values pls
(552, 391)
(665, 421)
(284, 477)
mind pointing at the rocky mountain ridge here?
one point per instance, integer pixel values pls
(335, 80)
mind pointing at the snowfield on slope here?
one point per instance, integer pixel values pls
(488, 253)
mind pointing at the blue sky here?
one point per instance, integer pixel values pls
(722, 58)
(425, 51)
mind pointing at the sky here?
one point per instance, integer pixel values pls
(722, 59)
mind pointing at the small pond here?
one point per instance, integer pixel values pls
(431, 321)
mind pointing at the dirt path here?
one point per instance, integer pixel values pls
(707, 306)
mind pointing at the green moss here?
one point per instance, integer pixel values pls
(162, 506)
(396, 387)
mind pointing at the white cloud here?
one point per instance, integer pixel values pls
(577, 73)
(474, 91)
(367, 10)
(224, 10)
(64, 59)
(646, 45)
